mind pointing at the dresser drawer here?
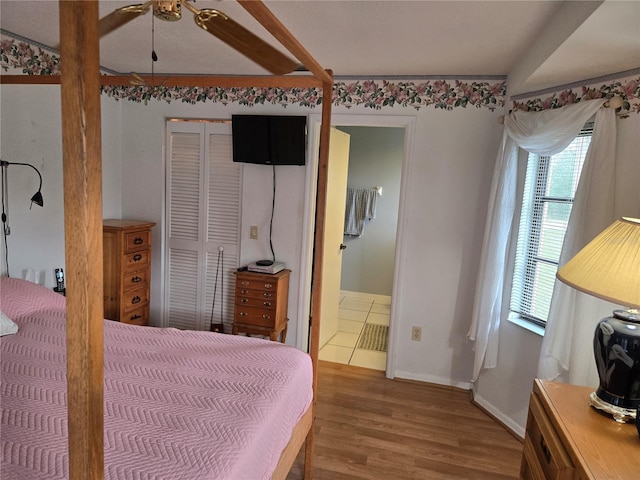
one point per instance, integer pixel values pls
(139, 316)
(136, 261)
(255, 316)
(135, 299)
(134, 241)
(255, 294)
(135, 279)
(544, 455)
(246, 282)
(264, 303)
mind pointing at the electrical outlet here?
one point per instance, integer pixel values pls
(416, 333)
(253, 232)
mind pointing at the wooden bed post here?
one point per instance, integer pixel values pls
(268, 20)
(316, 294)
(82, 168)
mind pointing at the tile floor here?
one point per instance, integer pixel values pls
(356, 309)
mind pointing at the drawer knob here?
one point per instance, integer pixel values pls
(244, 283)
(135, 317)
(137, 257)
(266, 304)
(136, 299)
(266, 317)
(243, 314)
(244, 292)
(244, 300)
(266, 295)
(138, 241)
(268, 285)
(136, 279)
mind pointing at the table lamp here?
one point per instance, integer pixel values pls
(609, 268)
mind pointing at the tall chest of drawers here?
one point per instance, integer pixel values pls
(127, 270)
(261, 304)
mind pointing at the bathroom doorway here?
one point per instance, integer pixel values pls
(369, 241)
(407, 124)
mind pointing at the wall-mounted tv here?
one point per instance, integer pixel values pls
(269, 139)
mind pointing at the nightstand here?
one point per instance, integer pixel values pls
(261, 304)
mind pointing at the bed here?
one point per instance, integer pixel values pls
(80, 83)
(177, 404)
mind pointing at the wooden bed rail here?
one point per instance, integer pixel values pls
(222, 81)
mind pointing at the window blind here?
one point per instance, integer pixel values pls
(550, 187)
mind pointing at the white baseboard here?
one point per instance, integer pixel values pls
(433, 379)
(499, 416)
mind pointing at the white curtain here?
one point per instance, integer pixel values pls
(544, 133)
(567, 348)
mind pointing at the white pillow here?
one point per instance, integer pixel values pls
(7, 327)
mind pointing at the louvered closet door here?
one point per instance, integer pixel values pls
(203, 225)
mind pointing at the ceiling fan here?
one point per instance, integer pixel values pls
(213, 21)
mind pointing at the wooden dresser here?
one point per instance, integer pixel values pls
(127, 270)
(568, 439)
(261, 304)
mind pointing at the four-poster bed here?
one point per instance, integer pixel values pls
(80, 94)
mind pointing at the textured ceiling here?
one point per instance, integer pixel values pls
(367, 38)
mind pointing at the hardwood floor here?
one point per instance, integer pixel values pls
(370, 427)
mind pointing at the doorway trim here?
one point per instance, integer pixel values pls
(311, 180)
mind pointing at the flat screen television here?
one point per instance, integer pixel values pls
(269, 139)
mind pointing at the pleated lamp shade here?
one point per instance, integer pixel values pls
(609, 266)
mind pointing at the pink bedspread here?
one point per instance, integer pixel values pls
(178, 404)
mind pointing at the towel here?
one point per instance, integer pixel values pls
(360, 206)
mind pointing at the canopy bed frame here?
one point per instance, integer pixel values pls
(82, 169)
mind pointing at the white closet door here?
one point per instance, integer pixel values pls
(224, 199)
(203, 225)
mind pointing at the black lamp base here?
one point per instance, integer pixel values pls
(616, 346)
(619, 414)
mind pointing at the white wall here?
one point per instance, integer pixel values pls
(447, 185)
(31, 133)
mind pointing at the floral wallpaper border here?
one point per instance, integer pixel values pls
(375, 94)
(445, 93)
(626, 86)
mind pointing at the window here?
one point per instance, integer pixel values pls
(550, 187)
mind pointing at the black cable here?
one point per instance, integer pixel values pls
(273, 206)
(215, 289)
(4, 224)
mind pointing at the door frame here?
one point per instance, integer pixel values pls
(311, 180)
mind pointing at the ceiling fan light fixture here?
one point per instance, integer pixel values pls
(169, 10)
(138, 9)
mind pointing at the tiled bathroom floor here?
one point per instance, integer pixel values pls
(356, 309)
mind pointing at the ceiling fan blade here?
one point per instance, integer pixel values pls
(137, 80)
(121, 16)
(241, 39)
